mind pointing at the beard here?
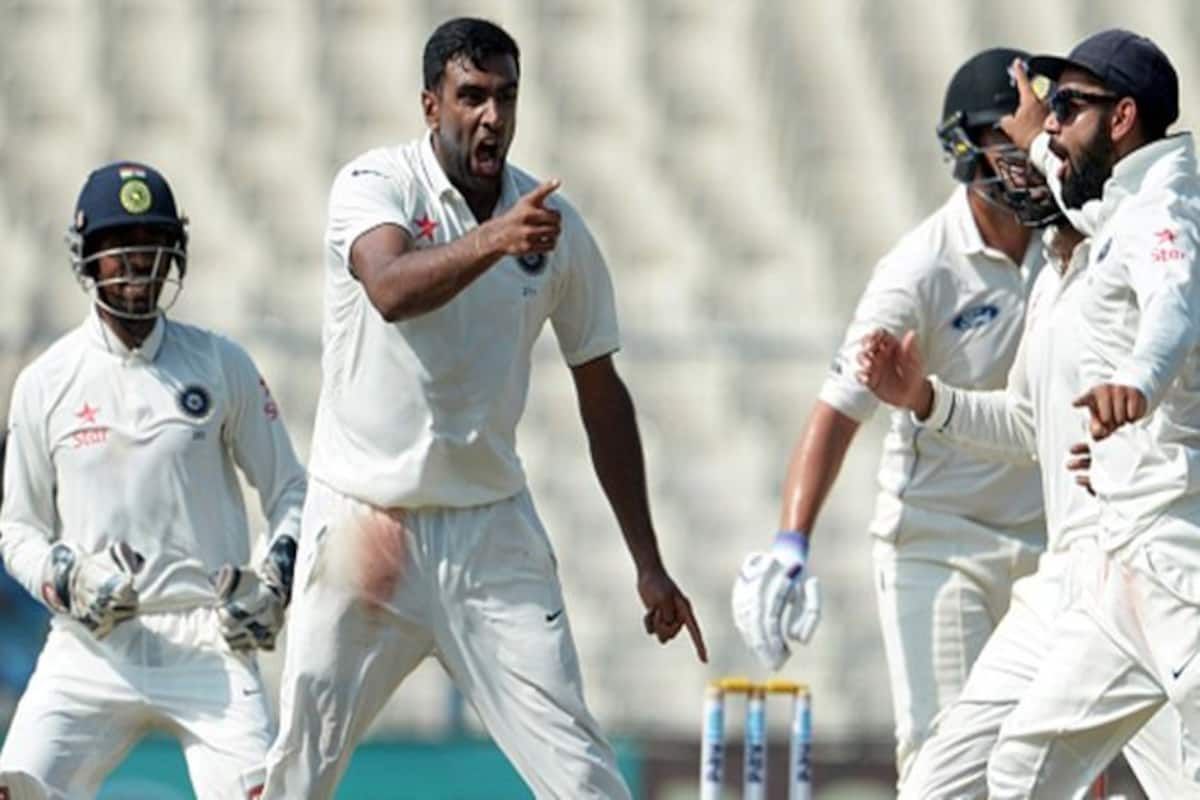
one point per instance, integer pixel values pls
(1089, 171)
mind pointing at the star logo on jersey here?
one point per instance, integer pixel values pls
(1165, 236)
(87, 414)
(426, 227)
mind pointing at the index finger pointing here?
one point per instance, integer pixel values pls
(684, 609)
(1020, 76)
(544, 190)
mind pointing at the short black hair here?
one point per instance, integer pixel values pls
(470, 37)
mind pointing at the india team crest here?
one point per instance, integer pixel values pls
(533, 263)
(195, 401)
(135, 196)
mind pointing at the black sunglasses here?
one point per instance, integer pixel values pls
(1065, 102)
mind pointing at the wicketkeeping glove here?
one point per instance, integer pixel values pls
(96, 589)
(252, 602)
(774, 601)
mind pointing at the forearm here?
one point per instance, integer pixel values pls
(994, 424)
(815, 463)
(616, 451)
(25, 553)
(423, 280)
(284, 511)
(1166, 334)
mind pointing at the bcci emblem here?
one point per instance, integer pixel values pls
(533, 263)
(135, 196)
(195, 401)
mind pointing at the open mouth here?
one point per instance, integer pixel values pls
(1062, 156)
(486, 157)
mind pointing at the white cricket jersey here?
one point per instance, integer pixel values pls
(109, 444)
(423, 412)
(1141, 322)
(1033, 415)
(966, 302)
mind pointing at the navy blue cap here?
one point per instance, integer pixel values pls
(1128, 65)
(982, 89)
(124, 193)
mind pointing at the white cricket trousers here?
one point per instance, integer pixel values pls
(942, 587)
(1116, 658)
(89, 702)
(952, 764)
(379, 590)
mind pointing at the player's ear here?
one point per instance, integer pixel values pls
(429, 107)
(1125, 115)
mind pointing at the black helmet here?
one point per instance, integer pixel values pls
(126, 194)
(981, 92)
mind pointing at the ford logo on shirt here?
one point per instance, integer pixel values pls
(975, 317)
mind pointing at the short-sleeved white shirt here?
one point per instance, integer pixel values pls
(966, 302)
(423, 412)
(109, 444)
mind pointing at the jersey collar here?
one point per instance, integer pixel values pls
(102, 337)
(442, 187)
(969, 238)
(433, 168)
(1151, 164)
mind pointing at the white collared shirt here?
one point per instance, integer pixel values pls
(109, 444)
(966, 303)
(1141, 324)
(1033, 416)
(423, 412)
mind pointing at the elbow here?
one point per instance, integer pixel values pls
(396, 307)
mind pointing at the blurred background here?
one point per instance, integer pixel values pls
(743, 165)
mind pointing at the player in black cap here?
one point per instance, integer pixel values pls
(1113, 93)
(1128, 650)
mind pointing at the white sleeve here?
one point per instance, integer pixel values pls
(29, 520)
(1160, 256)
(261, 446)
(365, 196)
(585, 313)
(997, 424)
(892, 301)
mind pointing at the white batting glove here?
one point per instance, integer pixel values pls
(774, 601)
(95, 589)
(252, 602)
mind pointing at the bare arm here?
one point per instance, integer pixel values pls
(403, 281)
(816, 460)
(616, 449)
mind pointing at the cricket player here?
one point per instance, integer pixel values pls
(1032, 418)
(121, 502)
(952, 529)
(1127, 651)
(443, 263)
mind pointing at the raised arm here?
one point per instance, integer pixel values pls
(995, 424)
(404, 281)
